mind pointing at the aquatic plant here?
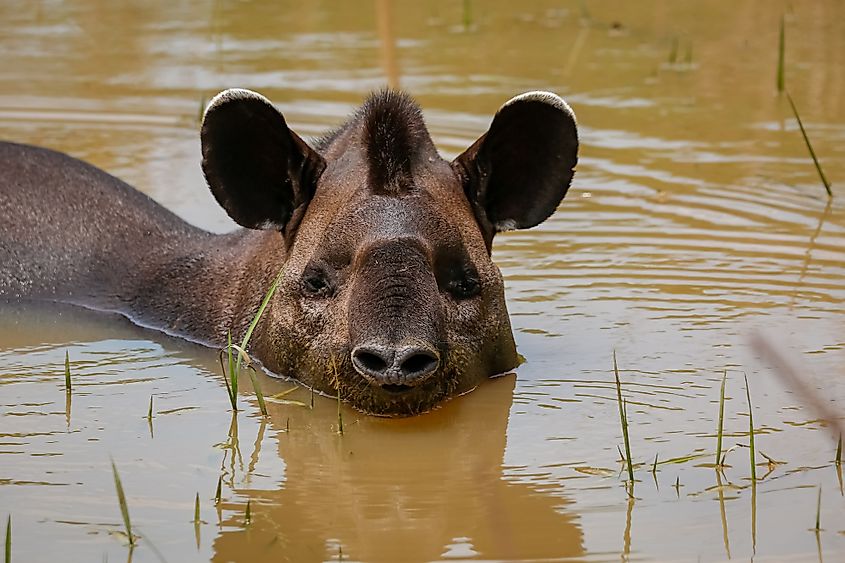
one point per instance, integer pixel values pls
(258, 393)
(196, 519)
(124, 509)
(781, 48)
(750, 431)
(719, 459)
(235, 364)
(810, 147)
(68, 388)
(623, 416)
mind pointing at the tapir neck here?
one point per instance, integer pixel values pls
(204, 286)
(72, 233)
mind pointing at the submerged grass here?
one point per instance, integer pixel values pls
(810, 147)
(719, 459)
(623, 416)
(248, 514)
(124, 509)
(750, 431)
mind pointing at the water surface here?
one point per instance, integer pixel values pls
(696, 219)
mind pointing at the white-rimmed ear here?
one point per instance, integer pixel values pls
(259, 170)
(516, 174)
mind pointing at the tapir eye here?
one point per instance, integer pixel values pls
(465, 287)
(316, 283)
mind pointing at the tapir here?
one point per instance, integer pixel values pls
(381, 249)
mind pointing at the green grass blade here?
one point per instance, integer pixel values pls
(623, 415)
(751, 431)
(197, 508)
(258, 314)
(721, 420)
(217, 493)
(654, 465)
(68, 388)
(9, 539)
(839, 451)
(467, 14)
(809, 146)
(781, 49)
(124, 509)
(258, 393)
(234, 373)
(150, 409)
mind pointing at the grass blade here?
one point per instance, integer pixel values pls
(336, 383)
(781, 48)
(623, 415)
(258, 393)
(721, 421)
(234, 372)
(838, 459)
(9, 539)
(750, 431)
(818, 511)
(197, 509)
(217, 493)
(809, 146)
(68, 388)
(248, 515)
(124, 509)
(150, 409)
(258, 314)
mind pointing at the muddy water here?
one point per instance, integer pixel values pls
(695, 221)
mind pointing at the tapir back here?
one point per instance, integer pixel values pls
(68, 225)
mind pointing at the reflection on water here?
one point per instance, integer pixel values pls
(696, 219)
(399, 490)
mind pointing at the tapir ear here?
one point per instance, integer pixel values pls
(259, 171)
(517, 173)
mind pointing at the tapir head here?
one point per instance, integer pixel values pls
(388, 295)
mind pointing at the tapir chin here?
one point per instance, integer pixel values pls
(387, 295)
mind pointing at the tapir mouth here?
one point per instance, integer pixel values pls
(398, 399)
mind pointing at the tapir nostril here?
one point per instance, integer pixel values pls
(398, 369)
(417, 363)
(371, 360)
